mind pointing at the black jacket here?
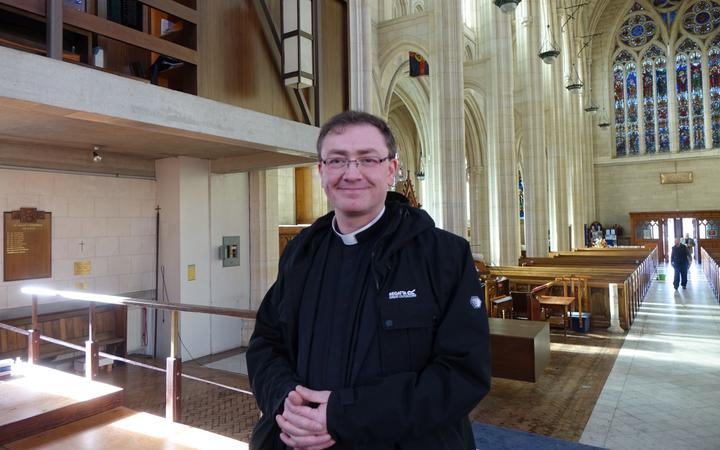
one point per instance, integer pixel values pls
(680, 256)
(432, 332)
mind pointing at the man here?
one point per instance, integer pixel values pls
(690, 244)
(374, 335)
(680, 262)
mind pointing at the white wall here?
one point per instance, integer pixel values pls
(198, 209)
(630, 185)
(230, 286)
(113, 218)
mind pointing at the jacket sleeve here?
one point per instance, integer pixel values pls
(412, 404)
(271, 373)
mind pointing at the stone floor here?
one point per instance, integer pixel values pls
(664, 389)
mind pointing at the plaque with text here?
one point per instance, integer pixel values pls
(27, 244)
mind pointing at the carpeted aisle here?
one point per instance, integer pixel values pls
(495, 438)
(559, 404)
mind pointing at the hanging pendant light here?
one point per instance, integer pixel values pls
(575, 84)
(297, 43)
(507, 6)
(549, 50)
(591, 107)
(420, 174)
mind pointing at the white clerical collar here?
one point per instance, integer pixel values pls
(350, 238)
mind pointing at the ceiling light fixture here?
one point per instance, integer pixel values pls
(507, 6)
(96, 156)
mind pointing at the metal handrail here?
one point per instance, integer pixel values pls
(131, 301)
(91, 349)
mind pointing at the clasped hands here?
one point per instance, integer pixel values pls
(303, 426)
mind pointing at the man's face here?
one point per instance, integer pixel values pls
(356, 192)
(677, 242)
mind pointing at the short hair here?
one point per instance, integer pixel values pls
(337, 123)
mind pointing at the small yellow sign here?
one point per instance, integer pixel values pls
(83, 268)
(81, 285)
(191, 272)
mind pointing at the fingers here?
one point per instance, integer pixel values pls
(295, 398)
(302, 421)
(318, 442)
(310, 395)
(291, 429)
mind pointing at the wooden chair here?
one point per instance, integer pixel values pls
(557, 308)
(553, 308)
(497, 301)
(577, 287)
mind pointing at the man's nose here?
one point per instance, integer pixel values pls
(352, 171)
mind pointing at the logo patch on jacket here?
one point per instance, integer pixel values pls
(475, 302)
(395, 295)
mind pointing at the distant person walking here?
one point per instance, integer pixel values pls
(679, 258)
(690, 244)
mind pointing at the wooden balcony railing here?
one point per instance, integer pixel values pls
(173, 369)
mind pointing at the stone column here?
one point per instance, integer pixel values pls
(504, 223)
(183, 195)
(532, 106)
(361, 54)
(557, 154)
(479, 234)
(446, 166)
(264, 242)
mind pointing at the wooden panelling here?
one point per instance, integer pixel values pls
(334, 79)
(72, 326)
(237, 64)
(304, 195)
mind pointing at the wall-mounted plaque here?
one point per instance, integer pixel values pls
(676, 177)
(82, 268)
(27, 244)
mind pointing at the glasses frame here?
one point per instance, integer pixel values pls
(358, 165)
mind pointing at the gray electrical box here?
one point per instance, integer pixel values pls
(230, 251)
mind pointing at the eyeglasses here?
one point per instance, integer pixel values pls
(365, 162)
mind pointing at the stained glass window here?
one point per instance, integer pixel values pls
(697, 100)
(714, 70)
(648, 105)
(654, 84)
(637, 30)
(632, 109)
(662, 105)
(640, 84)
(702, 17)
(688, 68)
(619, 90)
(682, 98)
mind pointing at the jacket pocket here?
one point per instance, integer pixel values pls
(406, 338)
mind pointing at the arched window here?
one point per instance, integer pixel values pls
(641, 73)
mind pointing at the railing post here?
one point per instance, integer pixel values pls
(34, 336)
(91, 347)
(34, 346)
(173, 371)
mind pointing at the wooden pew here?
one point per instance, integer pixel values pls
(711, 268)
(631, 270)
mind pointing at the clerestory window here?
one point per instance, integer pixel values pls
(665, 77)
